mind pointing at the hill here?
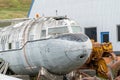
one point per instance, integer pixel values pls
(14, 8)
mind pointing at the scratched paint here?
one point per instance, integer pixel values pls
(55, 43)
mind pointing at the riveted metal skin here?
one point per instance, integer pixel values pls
(47, 42)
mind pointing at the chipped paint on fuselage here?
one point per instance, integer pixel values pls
(32, 44)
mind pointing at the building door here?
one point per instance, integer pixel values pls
(104, 37)
(91, 33)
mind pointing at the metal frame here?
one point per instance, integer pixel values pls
(102, 33)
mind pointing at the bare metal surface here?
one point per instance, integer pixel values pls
(30, 50)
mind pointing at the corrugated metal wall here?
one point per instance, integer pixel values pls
(103, 14)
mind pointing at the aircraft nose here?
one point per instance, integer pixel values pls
(79, 47)
(78, 55)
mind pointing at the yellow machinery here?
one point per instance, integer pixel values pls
(102, 54)
(102, 62)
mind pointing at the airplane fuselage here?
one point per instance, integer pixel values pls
(59, 53)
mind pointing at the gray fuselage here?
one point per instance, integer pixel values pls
(59, 54)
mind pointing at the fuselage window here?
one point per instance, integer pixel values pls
(17, 45)
(31, 37)
(76, 29)
(3, 44)
(58, 30)
(10, 46)
(43, 33)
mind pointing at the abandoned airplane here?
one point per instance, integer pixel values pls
(55, 43)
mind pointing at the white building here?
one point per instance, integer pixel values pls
(99, 19)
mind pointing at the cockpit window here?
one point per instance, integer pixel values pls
(57, 30)
(76, 29)
(73, 37)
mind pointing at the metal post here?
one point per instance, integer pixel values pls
(39, 74)
(6, 68)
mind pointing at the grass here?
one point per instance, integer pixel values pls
(10, 9)
(9, 14)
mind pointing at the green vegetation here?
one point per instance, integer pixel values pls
(14, 8)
